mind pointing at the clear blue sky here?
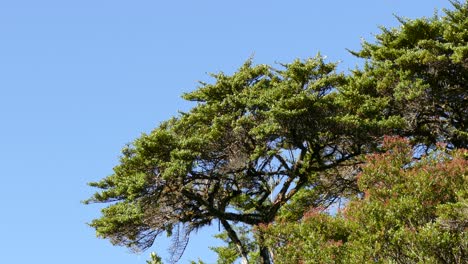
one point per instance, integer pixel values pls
(79, 79)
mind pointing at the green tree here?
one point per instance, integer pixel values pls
(252, 142)
(411, 211)
(267, 142)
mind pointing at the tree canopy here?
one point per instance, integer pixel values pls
(253, 140)
(267, 144)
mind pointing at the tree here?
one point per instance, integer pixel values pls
(416, 74)
(252, 142)
(420, 72)
(411, 211)
(265, 142)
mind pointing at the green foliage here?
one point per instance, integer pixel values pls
(411, 211)
(253, 141)
(198, 262)
(155, 259)
(418, 72)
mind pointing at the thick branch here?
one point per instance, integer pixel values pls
(235, 239)
(250, 219)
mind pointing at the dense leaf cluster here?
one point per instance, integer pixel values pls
(420, 72)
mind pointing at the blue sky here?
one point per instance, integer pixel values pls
(79, 79)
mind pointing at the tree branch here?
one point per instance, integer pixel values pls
(235, 239)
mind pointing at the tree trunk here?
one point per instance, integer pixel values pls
(235, 239)
(244, 259)
(265, 257)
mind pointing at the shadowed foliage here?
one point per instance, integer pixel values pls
(411, 211)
